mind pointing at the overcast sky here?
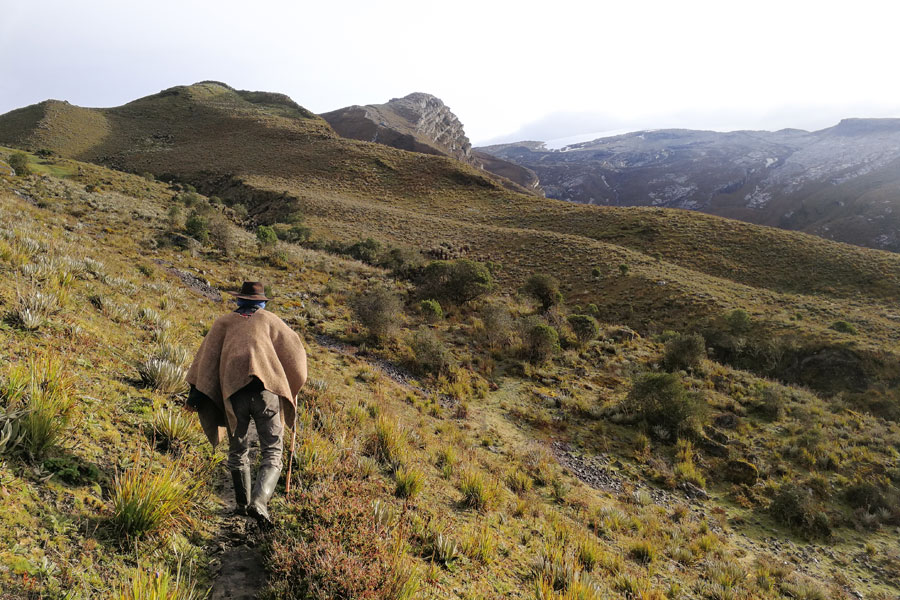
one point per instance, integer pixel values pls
(509, 70)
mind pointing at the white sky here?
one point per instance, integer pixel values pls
(508, 69)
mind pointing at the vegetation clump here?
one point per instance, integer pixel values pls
(585, 327)
(684, 352)
(662, 403)
(543, 288)
(378, 310)
(19, 163)
(458, 282)
(541, 341)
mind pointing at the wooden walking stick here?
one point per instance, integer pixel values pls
(287, 486)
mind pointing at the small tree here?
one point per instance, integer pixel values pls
(739, 322)
(623, 269)
(498, 325)
(431, 354)
(366, 250)
(432, 310)
(197, 227)
(19, 163)
(223, 235)
(544, 289)
(458, 281)
(541, 342)
(684, 351)
(661, 402)
(266, 238)
(585, 327)
(379, 311)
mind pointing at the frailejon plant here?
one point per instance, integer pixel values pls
(173, 431)
(163, 375)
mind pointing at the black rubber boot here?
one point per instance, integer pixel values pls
(241, 481)
(262, 493)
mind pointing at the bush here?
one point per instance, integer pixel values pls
(541, 342)
(19, 163)
(297, 234)
(585, 327)
(432, 310)
(197, 226)
(544, 289)
(795, 506)
(660, 400)
(738, 322)
(379, 310)
(684, 352)
(431, 354)
(223, 235)
(366, 250)
(458, 281)
(266, 238)
(843, 327)
(498, 326)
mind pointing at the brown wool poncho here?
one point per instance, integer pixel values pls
(236, 349)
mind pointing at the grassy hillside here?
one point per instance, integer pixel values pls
(450, 456)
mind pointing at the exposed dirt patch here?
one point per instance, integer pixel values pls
(239, 573)
(194, 283)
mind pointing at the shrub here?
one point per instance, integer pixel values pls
(266, 238)
(738, 322)
(544, 289)
(379, 311)
(432, 310)
(498, 326)
(795, 506)
(410, 482)
(660, 400)
(541, 342)
(240, 212)
(772, 403)
(684, 352)
(431, 354)
(223, 236)
(197, 226)
(19, 162)
(623, 269)
(458, 281)
(585, 327)
(297, 234)
(146, 502)
(843, 327)
(366, 251)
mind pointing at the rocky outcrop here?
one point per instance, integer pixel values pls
(423, 123)
(841, 183)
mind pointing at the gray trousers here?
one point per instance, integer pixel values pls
(264, 407)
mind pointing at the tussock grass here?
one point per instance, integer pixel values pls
(409, 482)
(46, 404)
(388, 442)
(477, 491)
(148, 583)
(148, 500)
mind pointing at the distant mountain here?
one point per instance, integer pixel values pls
(423, 123)
(841, 183)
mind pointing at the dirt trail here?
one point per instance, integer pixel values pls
(239, 571)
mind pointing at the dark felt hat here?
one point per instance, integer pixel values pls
(251, 290)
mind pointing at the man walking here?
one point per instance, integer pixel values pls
(251, 365)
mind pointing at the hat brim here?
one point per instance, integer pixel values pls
(240, 296)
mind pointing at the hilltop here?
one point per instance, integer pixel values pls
(423, 123)
(840, 183)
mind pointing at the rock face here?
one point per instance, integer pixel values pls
(422, 123)
(841, 183)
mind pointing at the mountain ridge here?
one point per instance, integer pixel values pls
(840, 182)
